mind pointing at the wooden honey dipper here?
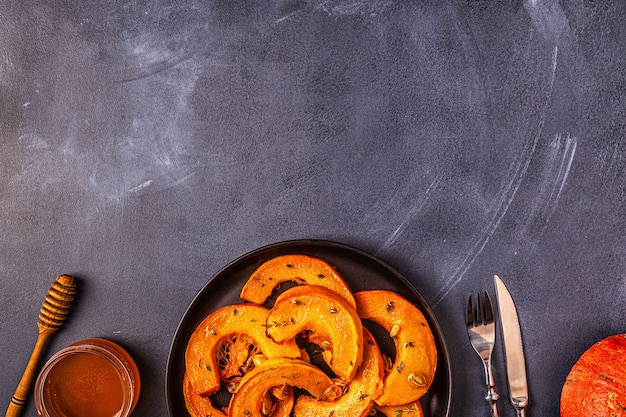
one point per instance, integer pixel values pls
(51, 316)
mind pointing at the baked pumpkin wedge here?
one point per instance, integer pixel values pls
(413, 370)
(224, 327)
(331, 322)
(413, 409)
(197, 405)
(358, 395)
(300, 269)
(249, 398)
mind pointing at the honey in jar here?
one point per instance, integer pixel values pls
(90, 378)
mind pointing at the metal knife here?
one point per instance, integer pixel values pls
(514, 353)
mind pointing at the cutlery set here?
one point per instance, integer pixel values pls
(481, 329)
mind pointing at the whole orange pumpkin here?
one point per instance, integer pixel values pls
(596, 384)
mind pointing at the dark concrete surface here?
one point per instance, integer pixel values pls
(146, 144)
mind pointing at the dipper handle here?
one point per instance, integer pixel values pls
(51, 316)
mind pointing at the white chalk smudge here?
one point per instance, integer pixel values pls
(33, 141)
(566, 163)
(557, 168)
(499, 209)
(548, 18)
(506, 194)
(286, 17)
(415, 209)
(352, 7)
(609, 158)
(140, 186)
(555, 54)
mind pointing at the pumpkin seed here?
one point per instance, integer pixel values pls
(268, 406)
(258, 359)
(417, 379)
(280, 392)
(327, 355)
(388, 363)
(333, 392)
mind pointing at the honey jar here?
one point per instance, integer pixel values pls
(90, 378)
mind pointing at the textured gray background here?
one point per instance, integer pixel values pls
(146, 144)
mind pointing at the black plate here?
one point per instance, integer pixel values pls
(360, 270)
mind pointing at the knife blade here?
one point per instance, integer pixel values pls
(513, 350)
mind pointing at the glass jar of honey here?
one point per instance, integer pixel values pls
(89, 378)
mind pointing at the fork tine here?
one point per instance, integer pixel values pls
(469, 312)
(479, 310)
(488, 309)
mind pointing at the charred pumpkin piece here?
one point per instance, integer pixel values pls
(301, 269)
(197, 405)
(413, 370)
(333, 324)
(249, 399)
(596, 384)
(357, 399)
(413, 409)
(220, 331)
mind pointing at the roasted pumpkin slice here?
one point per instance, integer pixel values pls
(358, 395)
(197, 405)
(413, 409)
(226, 326)
(413, 370)
(250, 396)
(332, 323)
(301, 269)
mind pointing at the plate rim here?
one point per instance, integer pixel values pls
(427, 310)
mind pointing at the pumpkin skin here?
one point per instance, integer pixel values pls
(248, 398)
(413, 409)
(248, 319)
(301, 269)
(197, 405)
(334, 325)
(358, 400)
(413, 370)
(596, 384)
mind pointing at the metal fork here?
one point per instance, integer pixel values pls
(481, 330)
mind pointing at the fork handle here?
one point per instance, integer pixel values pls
(521, 412)
(492, 398)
